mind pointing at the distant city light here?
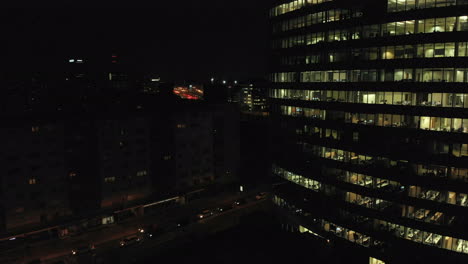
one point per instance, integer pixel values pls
(156, 80)
(212, 79)
(79, 61)
(71, 60)
(235, 82)
(191, 92)
(224, 82)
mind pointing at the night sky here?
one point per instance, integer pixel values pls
(180, 40)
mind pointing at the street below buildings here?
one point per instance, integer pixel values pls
(106, 240)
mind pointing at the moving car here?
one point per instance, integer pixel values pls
(149, 231)
(261, 195)
(205, 214)
(146, 232)
(182, 222)
(224, 208)
(239, 202)
(85, 249)
(131, 240)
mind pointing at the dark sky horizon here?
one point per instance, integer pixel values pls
(184, 40)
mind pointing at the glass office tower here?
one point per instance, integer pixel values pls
(369, 102)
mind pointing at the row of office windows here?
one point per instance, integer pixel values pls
(330, 190)
(414, 191)
(432, 147)
(425, 170)
(459, 100)
(319, 132)
(430, 25)
(315, 18)
(329, 227)
(435, 147)
(428, 50)
(439, 196)
(458, 125)
(374, 75)
(438, 171)
(405, 5)
(293, 6)
(446, 124)
(363, 180)
(393, 5)
(405, 211)
(400, 231)
(371, 182)
(424, 237)
(348, 234)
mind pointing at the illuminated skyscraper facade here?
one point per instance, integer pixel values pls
(369, 103)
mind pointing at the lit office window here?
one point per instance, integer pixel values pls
(141, 173)
(375, 261)
(109, 179)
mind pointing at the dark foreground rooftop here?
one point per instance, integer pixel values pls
(258, 240)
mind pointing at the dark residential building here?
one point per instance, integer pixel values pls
(254, 149)
(86, 147)
(109, 157)
(33, 174)
(26, 92)
(198, 146)
(369, 104)
(71, 166)
(226, 143)
(93, 167)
